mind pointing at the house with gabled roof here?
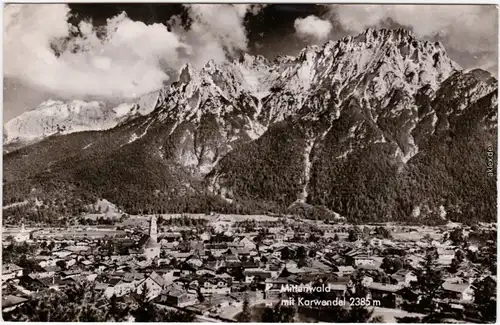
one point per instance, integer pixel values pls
(209, 268)
(118, 288)
(259, 274)
(62, 253)
(458, 290)
(403, 277)
(195, 261)
(71, 273)
(274, 288)
(388, 294)
(247, 243)
(213, 285)
(47, 271)
(11, 271)
(153, 284)
(11, 302)
(100, 286)
(176, 296)
(344, 270)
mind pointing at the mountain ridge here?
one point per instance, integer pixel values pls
(370, 37)
(254, 135)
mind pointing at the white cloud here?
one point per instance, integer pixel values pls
(471, 28)
(312, 26)
(124, 63)
(218, 30)
(130, 61)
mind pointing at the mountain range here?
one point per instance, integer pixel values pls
(381, 126)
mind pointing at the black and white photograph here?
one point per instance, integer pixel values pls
(249, 163)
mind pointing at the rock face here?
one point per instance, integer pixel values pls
(370, 127)
(58, 118)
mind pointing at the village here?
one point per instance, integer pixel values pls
(213, 265)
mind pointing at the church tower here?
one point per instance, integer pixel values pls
(153, 229)
(152, 248)
(23, 235)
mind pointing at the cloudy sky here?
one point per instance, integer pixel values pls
(113, 52)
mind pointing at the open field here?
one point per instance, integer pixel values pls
(135, 220)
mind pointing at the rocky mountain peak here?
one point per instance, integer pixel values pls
(59, 117)
(252, 61)
(359, 125)
(186, 73)
(377, 68)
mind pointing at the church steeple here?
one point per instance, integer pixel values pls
(152, 248)
(153, 229)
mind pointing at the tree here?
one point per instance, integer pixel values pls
(268, 315)
(456, 262)
(377, 319)
(457, 237)
(201, 298)
(485, 298)
(28, 264)
(391, 264)
(9, 289)
(237, 273)
(278, 314)
(245, 316)
(302, 262)
(336, 237)
(301, 256)
(285, 273)
(301, 252)
(147, 311)
(51, 246)
(286, 254)
(382, 232)
(493, 267)
(359, 289)
(454, 266)
(61, 264)
(313, 238)
(45, 306)
(80, 303)
(428, 285)
(460, 255)
(116, 311)
(354, 234)
(357, 313)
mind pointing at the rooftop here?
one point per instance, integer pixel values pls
(383, 287)
(11, 300)
(455, 287)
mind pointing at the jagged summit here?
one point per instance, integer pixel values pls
(357, 125)
(376, 60)
(373, 68)
(251, 60)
